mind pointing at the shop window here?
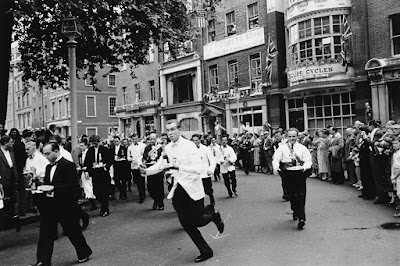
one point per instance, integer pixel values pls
(230, 23)
(189, 124)
(258, 120)
(395, 34)
(252, 14)
(183, 90)
(211, 30)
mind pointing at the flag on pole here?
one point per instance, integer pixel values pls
(271, 53)
(201, 18)
(344, 40)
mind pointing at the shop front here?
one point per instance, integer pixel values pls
(140, 118)
(384, 76)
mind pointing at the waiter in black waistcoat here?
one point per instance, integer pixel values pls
(58, 203)
(97, 162)
(122, 172)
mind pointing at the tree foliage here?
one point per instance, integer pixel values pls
(114, 32)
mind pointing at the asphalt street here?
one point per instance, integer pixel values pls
(341, 229)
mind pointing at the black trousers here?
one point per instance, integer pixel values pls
(50, 214)
(217, 172)
(230, 181)
(192, 215)
(378, 165)
(101, 187)
(284, 185)
(140, 183)
(207, 184)
(121, 176)
(367, 179)
(351, 171)
(155, 186)
(297, 190)
(268, 159)
(246, 162)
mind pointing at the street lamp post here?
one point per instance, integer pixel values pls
(70, 27)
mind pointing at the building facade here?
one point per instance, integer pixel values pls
(243, 53)
(321, 88)
(138, 98)
(382, 51)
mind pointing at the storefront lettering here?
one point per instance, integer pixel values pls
(297, 8)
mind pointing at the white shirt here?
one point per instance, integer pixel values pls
(229, 159)
(53, 169)
(208, 160)
(117, 149)
(217, 154)
(64, 153)
(186, 155)
(37, 162)
(135, 154)
(8, 157)
(284, 155)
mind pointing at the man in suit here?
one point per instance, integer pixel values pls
(268, 152)
(59, 204)
(97, 163)
(121, 167)
(8, 181)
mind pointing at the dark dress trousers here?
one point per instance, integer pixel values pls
(61, 207)
(100, 176)
(122, 171)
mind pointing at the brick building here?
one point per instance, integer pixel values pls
(381, 48)
(138, 98)
(236, 45)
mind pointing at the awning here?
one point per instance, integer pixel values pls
(210, 111)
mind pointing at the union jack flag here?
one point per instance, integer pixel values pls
(271, 53)
(344, 40)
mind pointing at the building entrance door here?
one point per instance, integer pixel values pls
(296, 119)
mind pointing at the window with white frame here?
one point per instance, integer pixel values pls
(230, 23)
(395, 34)
(315, 39)
(67, 107)
(255, 71)
(151, 53)
(91, 131)
(53, 110)
(112, 103)
(152, 90)
(211, 30)
(91, 106)
(338, 110)
(137, 92)
(252, 15)
(60, 108)
(124, 95)
(214, 82)
(112, 80)
(232, 72)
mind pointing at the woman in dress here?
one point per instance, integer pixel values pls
(323, 155)
(256, 156)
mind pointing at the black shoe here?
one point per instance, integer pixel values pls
(104, 214)
(218, 221)
(378, 201)
(204, 257)
(85, 259)
(155, 206)
(236, 193)
(368, 198)
(85, 221)
(361, 196)
(301, 224)
(39, 263)
(160, 208)
(295, 217)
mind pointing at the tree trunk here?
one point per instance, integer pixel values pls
(6, 22)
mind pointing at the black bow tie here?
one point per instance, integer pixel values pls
(136, 143)
(54, 164)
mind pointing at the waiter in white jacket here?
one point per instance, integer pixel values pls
(293, 162)
(228, 166)
(209, 163)
(187, 192)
